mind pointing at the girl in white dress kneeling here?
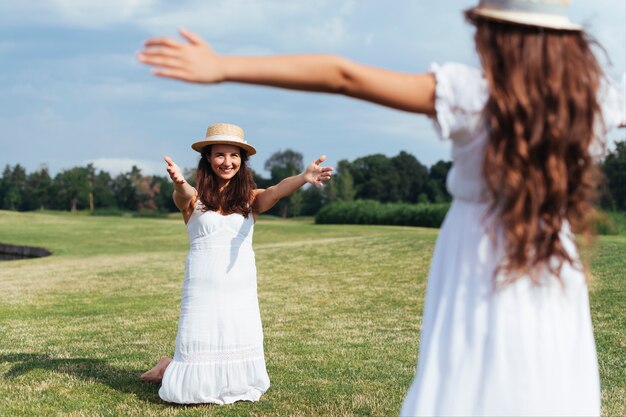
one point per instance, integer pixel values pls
(219, 346)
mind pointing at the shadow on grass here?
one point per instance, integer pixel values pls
(96, 370)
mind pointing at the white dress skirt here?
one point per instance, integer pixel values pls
(219, 346)
(522, 349)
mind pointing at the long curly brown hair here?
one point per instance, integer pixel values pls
(235, 198)
(541, 112)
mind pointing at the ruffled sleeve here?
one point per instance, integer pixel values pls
(460, 95)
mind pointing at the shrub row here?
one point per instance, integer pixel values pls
(610, 223)
(428, 215)
(374, 212)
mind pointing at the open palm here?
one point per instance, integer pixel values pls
(192, 61)
(316, 174)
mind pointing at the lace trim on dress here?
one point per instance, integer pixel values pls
(230, 355)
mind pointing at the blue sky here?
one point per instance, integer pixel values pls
(71, 91)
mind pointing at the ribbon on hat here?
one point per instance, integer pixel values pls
(227, 137)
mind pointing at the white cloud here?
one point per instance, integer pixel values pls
(314, 23)
(99, 14)
(310, 24)
(74, 13)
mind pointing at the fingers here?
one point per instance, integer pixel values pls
(191, 37)
(178, 74)
(169, 63)
(159, 59)
(163, 42)
(320, 160)
(168, 160)
(322, 176)
(160, 51)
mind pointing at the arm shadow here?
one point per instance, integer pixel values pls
(96, 370)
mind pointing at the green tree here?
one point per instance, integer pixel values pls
(125, 189)
(163, 197)
(72, 188)
(13, 187)
(38, 192)
(102, 188)
(313, 198)
(436, 185)
(412, 175)
(614, 169)
(283, 164)
(341, 185)
(375, 178)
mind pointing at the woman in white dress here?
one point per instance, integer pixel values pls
(219, 346)
(506, 327)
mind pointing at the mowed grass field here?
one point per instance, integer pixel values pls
(341, 309)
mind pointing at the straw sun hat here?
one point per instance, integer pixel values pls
(550, 14)
(224, 134)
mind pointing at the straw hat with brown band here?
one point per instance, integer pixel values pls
(224, 134)
(550, 14)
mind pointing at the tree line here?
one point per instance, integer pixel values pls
(401, 178)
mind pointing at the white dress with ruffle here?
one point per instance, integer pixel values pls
(219, 346)
(521, 350)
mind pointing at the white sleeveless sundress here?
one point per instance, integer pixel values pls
(219, 354)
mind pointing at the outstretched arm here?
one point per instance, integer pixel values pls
(195, 61)
(313, 174)
(184, 194)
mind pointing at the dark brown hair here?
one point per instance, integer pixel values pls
(541, 112)
(235, 198)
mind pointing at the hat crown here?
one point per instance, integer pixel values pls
(224, 134)
(557, 7)
(550, 14)
(224, 129)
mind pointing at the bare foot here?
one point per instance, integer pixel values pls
(155, 375)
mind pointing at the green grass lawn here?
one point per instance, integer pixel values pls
(341, 308)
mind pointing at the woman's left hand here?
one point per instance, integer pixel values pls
(316, 174)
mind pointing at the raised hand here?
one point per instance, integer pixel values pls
(175, 173)
(316, 174)
(192, 61)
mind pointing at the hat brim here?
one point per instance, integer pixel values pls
(543, 20)
(199, 146)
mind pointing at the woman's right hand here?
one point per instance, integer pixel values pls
(192, 61)
(174, 170)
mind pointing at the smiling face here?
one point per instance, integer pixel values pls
(225, 162)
